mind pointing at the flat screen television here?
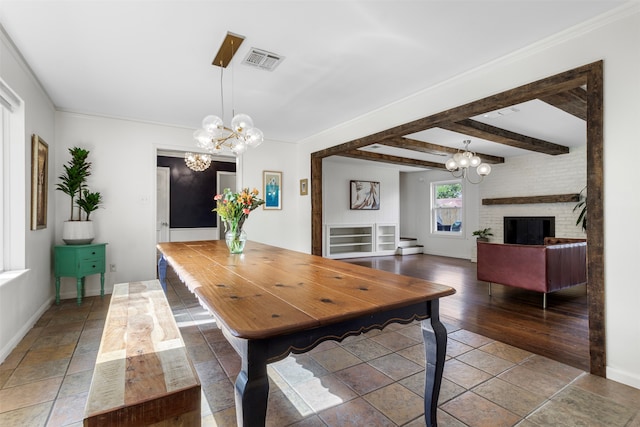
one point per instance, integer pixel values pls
(528, 230)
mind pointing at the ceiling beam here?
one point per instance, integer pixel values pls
(502, 136)
(415, 145)
(395, 160)
(573, 101)
(429, 148)
(536, 90)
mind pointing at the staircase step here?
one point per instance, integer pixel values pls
(406, 242)
(409, 250)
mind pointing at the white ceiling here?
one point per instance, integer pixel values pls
(151, 60)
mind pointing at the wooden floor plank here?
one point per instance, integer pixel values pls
(513, 316)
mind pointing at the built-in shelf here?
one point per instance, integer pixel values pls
(386, 238)
(350, 241)
(555, 198)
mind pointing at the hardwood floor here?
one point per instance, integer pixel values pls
(513, 316)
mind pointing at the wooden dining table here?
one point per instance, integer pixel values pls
(270, 302)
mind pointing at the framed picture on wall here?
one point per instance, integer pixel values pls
(39, 182)
(304, 187)
(272, 190)
(365, 195)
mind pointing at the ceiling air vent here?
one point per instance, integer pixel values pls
(262, 59)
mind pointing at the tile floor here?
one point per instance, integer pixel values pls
(375, 379)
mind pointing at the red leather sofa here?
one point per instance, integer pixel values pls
(558, 264)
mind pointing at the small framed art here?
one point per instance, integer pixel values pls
(272, 190)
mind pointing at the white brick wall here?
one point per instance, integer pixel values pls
(535, 175)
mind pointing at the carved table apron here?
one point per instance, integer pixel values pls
(270, 302)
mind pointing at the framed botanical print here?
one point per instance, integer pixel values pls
(272, 190)
(39, 182)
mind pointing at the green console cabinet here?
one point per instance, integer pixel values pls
(79, 261)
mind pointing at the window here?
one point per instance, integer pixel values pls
(446, 207)
(12, 182)
(4, 133)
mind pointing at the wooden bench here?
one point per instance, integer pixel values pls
(143, 375)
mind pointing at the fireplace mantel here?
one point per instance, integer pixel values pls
(556, 198)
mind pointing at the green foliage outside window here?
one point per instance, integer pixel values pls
(449, 191)
(446, 207)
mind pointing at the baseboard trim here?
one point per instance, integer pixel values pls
(15, 340)
(623, 377)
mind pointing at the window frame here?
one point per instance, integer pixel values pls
(433, 226)
(13, 194)
(4, 136)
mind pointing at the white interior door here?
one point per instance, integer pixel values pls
(162, 204)
(225, 180)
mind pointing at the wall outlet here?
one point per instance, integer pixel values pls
(112, 268)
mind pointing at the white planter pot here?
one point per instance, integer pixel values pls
(77, 232)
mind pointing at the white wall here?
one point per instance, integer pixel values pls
(123, 157)
(337, 175)
(535, 175)
(336, 191)
(284, 227)
(190, 234)
(415, 198)
(613, 39)
(24, 297)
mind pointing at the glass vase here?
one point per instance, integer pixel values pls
(235, 240)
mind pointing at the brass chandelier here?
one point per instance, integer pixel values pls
(214, 136)
(197, 162)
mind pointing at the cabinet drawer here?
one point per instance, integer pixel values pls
(88, 267)
(90, 253)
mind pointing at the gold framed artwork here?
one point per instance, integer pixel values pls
(39, 182)
(272, 190)
(304, 187)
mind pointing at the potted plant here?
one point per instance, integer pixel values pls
(78, 231)
(483, 235)
(89, 202)
(582, 206)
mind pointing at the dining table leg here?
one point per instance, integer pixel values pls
(435, 342)
(252, 386)
(162, 272)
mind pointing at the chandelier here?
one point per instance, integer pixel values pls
(214, 136)
(459, 164)
(197, 162)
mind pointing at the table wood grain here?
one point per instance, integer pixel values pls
(142, 374)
